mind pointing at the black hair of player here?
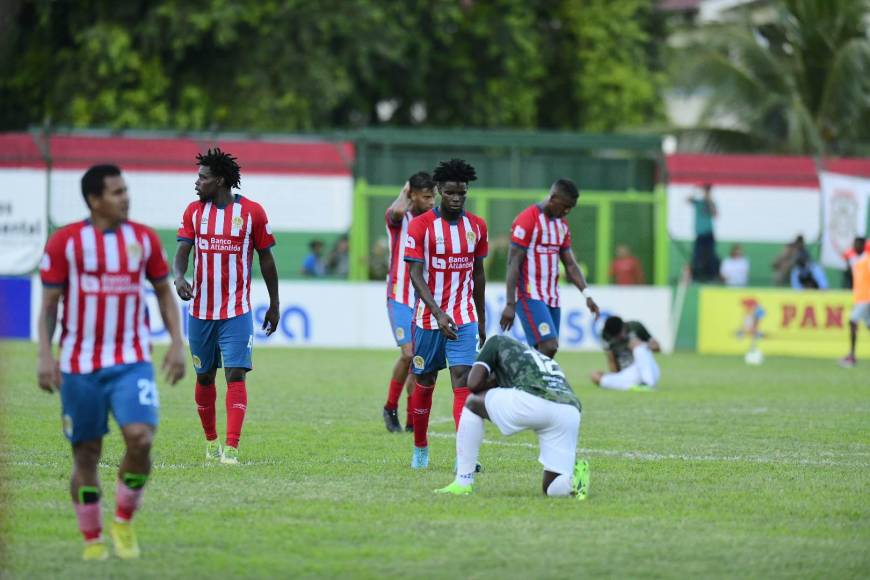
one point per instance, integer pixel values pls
(454, 170)
(93, 181)
(421, 180)
(612, 327)
(222, 164)
(567, 188)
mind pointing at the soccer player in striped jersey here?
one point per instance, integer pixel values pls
(539, 239)
(416, 197)
(445, 248)
(99, 267)
(224, 229)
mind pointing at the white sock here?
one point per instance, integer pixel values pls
(560, 487)
(468, 440)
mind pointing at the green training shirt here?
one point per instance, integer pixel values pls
(619, 346)
(520, 366)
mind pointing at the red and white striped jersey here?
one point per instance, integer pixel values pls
(543, 239)
(399, 287)
(448, 252)
(224, 240)
(104, 322)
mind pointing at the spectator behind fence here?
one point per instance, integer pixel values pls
(807, 275)
(626, 269)
(784, 263)
(705, 262)
(313, 267)
(338, 262)
(734, 270)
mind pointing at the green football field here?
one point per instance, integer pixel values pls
(727, 471)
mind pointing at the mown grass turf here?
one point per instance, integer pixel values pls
(727, 471)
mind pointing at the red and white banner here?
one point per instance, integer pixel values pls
(844, 215)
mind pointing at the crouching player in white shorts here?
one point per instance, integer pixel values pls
(532, 394)
(629, 348)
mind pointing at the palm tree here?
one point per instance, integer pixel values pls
(799, 83)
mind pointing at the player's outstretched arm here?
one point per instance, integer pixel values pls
(445, 323)
(47, 370)
(174, 361)
(270, 277)
(575, 276)
(179, 269)
(516, 256)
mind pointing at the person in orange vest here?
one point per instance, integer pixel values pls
(849, 255)
(860, 266)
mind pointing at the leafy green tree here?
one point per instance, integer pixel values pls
(798, 83)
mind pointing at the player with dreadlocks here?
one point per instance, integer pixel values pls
(445, 248)
(225, 229)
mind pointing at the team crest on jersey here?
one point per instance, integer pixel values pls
(67, 426)
(197, 362)
(134, 251)
(204, 220)
(400, 333)
(410, 243)
(469, 235)
(520, 232)
(544, 328)
(237, 222)
(419, 363)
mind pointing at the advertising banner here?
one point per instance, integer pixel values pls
(808, 323)
(23, 227)
(354, 315)
(844, 215)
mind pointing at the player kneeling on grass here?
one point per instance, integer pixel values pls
(629, 348)
(533, 395)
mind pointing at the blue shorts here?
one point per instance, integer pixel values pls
(540, 322)
(128, 391)
(231, 339)
(400, 321)
(432, 350)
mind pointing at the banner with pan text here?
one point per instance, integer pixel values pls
(783, 322)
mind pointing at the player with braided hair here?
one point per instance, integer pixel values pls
(225, 229)
(445, 248)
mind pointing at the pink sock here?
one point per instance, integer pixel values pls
(127, 500)
(90, 519)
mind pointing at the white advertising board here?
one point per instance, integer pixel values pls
(23, 227)
(354, 315)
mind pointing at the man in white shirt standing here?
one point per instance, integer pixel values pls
(734, 270)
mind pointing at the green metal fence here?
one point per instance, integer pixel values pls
(600, 222)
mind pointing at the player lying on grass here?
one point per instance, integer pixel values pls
(532, 394)
(99, 267)
(629, 348)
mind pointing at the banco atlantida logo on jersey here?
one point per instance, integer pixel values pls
(439, 263)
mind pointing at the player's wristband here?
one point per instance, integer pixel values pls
(586, 294)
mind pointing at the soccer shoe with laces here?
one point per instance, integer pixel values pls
(95, 550)
(580, 481)
(213, 451)
(420, 459)
(230, 456)
(124, 540)
(391, 420)
(456, 488)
